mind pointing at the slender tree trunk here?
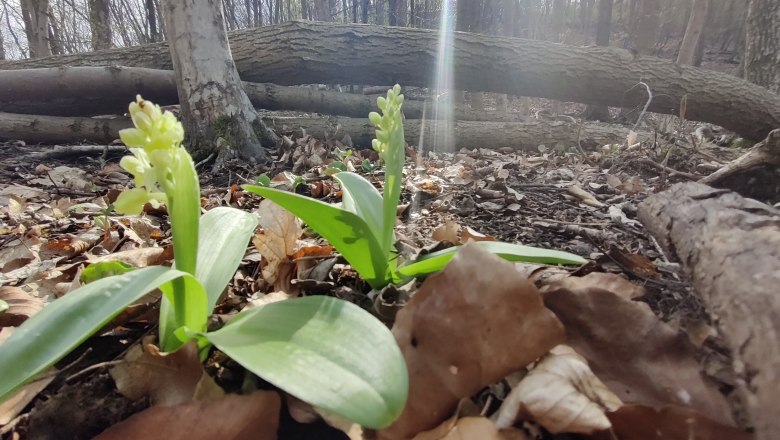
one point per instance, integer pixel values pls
(36, 26)
(762, 51)
(2, 45)
(557, 20)
(100, 23)
(365, 6)
(379, 5)
(55, 39)
(213, 103)
(322, 10)
(508, 19)
(693, 32)
(645, 26)
(401, 12)
(151, 19)
(603, 30)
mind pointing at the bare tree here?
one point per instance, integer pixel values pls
(100, 21)
(603, 30)
(645, 26)
(36, 24)
(213, 103)
(762, 52)
(693, 33)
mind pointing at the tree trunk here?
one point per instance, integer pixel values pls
(508, 20)
(213, 104)
(100, 23)
(151, 20)
(558, 19)
(645, 27)
(525, 135)
(322, 10)
(2, 46)
(603, 31)
(728, 246)
(36, 26)
(762, 52)
(93, 91)
(315, 53)
(693, 32)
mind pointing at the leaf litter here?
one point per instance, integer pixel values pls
(479, 331)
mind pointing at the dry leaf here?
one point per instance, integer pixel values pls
(138, 257)
(21, 305)
(472, 235)
(636, 422)
(562, 394)
(14, 404)
(470, 428)
(233, 417)
(640, 358)
(65, 177)
(448, 232)
(585, 197)
(467, 327)
(276, 243)
(168, 379)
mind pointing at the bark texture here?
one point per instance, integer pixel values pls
(519, 135)
(213, 104)
(762, 51)
(730, 247)
(100, 23)
(306, 53)
(35, 14)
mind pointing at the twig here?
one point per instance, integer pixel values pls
(75, 150)
(671, 171)
(647, 104)
(211, 156)
(579, 145)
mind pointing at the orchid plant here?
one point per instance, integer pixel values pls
(362, 230)
(360, 373)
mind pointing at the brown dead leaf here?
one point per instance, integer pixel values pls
(640, 358)
(276, 242)
(70, 245)
(585, 197)
(65, 177)
(448, 232)
(467, 327)
(469, 234)
(637, 422)
(562, 394)
(21, 305)
(16, 402)
(233, 417)
(468, 428)
(607, 281)
(167, 378)
(15, 255)
(636, 263)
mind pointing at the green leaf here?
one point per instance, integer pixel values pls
(325, 351)
(345, 231)
(394, 174)
(263, 180)
(434, 262)
(224, 235)
(362, 199)
(3, 306)
(194, 315)
(61, 326)
(104, 269)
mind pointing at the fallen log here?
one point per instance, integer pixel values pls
(467, 134)
(93, 91)
(306, 52)
(730, 247)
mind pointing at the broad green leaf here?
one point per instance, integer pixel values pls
(104, 269)
(62, 325)
(362, 199)
(325, 351)
(224, 235)
(345, 231)
(434, 262)
(195, 313)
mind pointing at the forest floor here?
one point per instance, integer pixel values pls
(551, 198)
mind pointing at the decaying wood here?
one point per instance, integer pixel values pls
(730, 247)
(524, 134)
(92, 91)
(305, 53)
(766, 152)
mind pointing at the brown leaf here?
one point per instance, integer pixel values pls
(469, 428)
(21, 305)
(640, 358)
(562, 394)
(637, 422)
(448, 232)
(16, 402)
(469, 234)
(233, 417)
(167, 378)
(467, 327)
(276, 242)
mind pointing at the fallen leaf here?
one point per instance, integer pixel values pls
(585, 197)
(233, 417)
(467, 327)
(562, 394)
(637, 422)
(21, 305)
(635, 263)
(468, 428)
(641, 359)
(167, 378)
(16, 402)
(448, 232)
(70, 245)
(276, 242)
(65, 177)
(138, 257)
(472, 235)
